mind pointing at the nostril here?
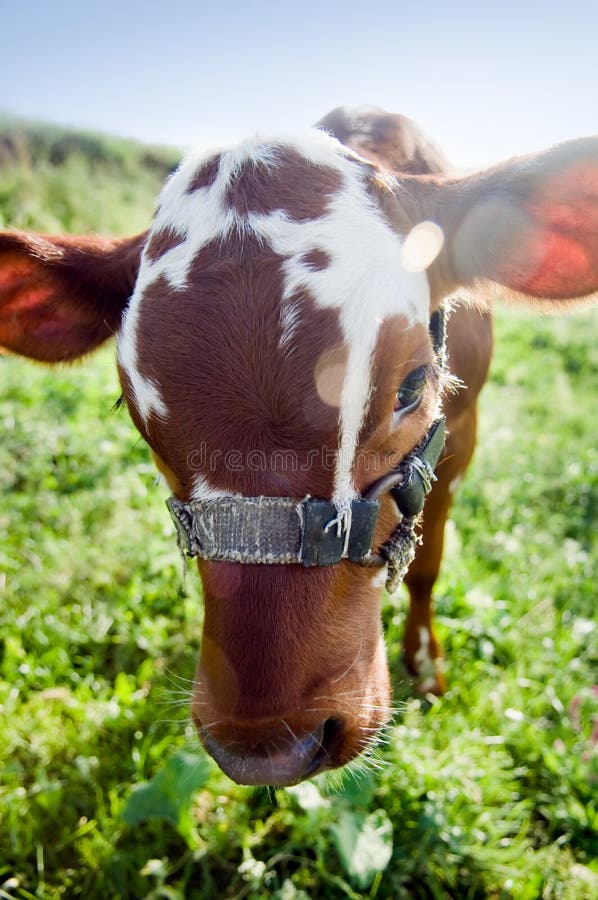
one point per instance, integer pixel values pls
(333, 735)
(330, 742)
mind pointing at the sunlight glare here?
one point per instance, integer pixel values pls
(422, 246)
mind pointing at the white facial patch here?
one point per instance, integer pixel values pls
(146, 394)
(197, 217)
(202, 490)
(365, 278)
(365, 281)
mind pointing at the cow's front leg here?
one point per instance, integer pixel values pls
(422, 651)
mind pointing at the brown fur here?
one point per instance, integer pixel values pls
(316, 260)
(161, 242)
(294, 186)
(205, 176)
(214, 349)
(393, 141)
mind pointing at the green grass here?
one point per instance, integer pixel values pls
(490, 791)
(53, 179)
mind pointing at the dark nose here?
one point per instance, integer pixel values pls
(274, 754)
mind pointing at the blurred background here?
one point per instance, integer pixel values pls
(486, 80)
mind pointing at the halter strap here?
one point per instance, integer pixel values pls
(274, 530)
(312, 532)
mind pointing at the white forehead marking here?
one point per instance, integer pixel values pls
(365, 279)
(203, 490)
(199, 217)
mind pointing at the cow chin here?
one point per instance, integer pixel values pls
(275, 709)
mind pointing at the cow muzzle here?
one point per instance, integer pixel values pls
(278, 753)
(288, 730)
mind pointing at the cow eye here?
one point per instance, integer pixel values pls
(411, 391)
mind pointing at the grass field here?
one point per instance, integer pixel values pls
(490, 791)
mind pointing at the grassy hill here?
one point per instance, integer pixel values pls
(55, 179)
(488, 792)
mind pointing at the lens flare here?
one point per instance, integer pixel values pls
(422, 246)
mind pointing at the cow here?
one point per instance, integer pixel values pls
(282, 350)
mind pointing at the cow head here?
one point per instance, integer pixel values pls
(275, 343)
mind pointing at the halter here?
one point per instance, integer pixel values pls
(312, 532)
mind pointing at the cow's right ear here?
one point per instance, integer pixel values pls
(61, 297)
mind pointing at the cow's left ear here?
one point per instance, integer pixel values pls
(60, 297)
(530, 225)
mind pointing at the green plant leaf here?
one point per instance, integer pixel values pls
(357, 789)
(168, 794)
(364, 844)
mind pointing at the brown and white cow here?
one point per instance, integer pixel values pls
(273, 341)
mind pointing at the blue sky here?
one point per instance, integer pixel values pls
(485, 79)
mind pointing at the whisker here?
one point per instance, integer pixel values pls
(173, 721)
(177, 695)
(362, 707)
(355, 658)
(290, 730)
(179, 704)
(177, 679)
(357, 692)
(211, 724)
(176, 690)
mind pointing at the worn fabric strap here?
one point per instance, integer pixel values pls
(240, 529)
(274, 530)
